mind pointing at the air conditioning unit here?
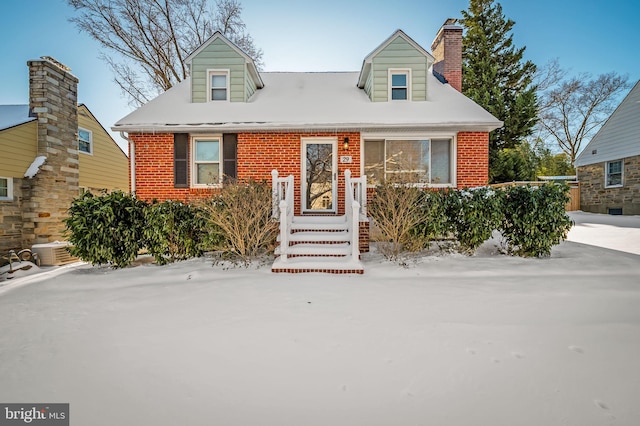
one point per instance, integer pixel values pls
(54, 254)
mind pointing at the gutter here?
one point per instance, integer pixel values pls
(132, 161)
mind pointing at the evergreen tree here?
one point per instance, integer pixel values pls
(495, 75)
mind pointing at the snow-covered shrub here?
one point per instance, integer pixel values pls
(174, 231)
(535, 219)
(397, 210)
(106, 229)
(240, 219)
(472, 215)
(434, 225)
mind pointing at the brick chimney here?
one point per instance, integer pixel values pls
(447, 50)
(53, 98)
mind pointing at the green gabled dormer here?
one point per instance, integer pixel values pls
(396, 70)
(222, 72)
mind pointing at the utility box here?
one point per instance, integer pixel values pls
(54, 254)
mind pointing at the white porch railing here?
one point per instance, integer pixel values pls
(283, 208)
(355, 202)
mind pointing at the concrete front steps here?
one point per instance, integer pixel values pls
(318, 244)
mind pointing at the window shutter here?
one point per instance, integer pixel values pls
(180, 160)
(229, 156)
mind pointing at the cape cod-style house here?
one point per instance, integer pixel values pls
(320, 138)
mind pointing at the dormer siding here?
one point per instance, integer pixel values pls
(219, 55)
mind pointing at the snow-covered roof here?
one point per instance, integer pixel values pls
(293, 100)
(14, 115)
(619, 136)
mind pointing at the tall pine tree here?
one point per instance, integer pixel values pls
(496, 77)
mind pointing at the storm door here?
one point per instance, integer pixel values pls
(319, 175)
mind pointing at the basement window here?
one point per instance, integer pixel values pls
(613, 174)
(6, 189)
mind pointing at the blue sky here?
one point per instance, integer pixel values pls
(329, 35)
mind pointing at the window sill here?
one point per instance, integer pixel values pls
(613, 186)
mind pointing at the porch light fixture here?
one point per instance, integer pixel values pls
(345, 144)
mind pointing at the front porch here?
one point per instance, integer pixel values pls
(320, 242)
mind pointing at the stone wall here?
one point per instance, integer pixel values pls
(11, 224)
(595, 198)
(48, 196)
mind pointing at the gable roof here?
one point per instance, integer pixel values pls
(366, 63)
(14, 115)
(248, 60)
(619, 136)
(298, 101)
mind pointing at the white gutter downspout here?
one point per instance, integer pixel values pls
(132, 160)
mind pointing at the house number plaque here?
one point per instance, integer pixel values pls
(346, 159)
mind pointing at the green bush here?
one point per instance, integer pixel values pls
(174, 231)
(472, 215)
(535, 219)
(106, 229)
(434, 225)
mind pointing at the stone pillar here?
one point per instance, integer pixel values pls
(447, 51)
(53, 98)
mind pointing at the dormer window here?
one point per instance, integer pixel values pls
(400, 84)
(218, 83)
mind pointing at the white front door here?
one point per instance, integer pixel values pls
(319, 175)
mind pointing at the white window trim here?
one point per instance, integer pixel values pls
(215, 71)
(392, 71)
(416, 136)
(192, 161)
(90, 141)
(9, 196)
(606, 174)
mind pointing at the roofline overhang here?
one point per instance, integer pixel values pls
(304, 127)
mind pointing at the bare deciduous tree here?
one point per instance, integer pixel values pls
(572, 109)
(146, 41)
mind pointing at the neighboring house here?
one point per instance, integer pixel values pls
(52, 149)
(609, 166)
(394, 117)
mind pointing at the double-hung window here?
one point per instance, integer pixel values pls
(205, 165)
(218, 85)
(421, 161)
(6, 189)
(613, 176)
(399, 84)
(85, 141)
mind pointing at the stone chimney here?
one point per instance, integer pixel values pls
(447, 50)
(53, 98)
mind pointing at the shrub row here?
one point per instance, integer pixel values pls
(531, 219)
(113, 228)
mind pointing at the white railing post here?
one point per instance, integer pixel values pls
(275, 196)
(284, 232)
(352, 213)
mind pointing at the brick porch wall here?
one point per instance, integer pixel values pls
(473, 159)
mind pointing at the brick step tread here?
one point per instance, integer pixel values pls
(318, 264)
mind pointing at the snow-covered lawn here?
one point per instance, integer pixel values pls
(443, 340)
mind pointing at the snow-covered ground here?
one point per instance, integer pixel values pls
(441, 340)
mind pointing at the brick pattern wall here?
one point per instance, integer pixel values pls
(48, 196)
(595, 198)
(447, 51)
(473, 159)
(11, 224)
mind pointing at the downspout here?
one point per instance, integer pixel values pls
(132, 161)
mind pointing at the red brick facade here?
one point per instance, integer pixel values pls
(472, 159)
(259, 153)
